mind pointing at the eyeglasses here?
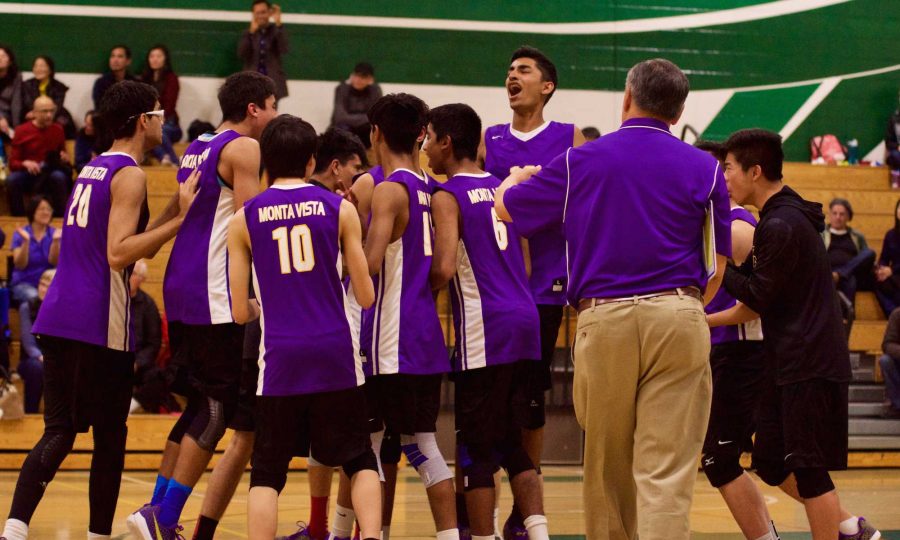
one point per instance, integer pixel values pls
(161, 113)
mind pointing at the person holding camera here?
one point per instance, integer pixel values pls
(263, 45)
(38, 160)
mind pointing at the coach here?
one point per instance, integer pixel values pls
(633, 205)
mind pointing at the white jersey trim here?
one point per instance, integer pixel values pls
(261, 359)
(526, 136)
(386, 321)
(474, 354)
(219, 297)
(118, 323)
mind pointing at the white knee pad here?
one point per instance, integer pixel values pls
(376, 448)
(422, 452)
(312, 462)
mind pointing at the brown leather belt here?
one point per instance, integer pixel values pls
(587, 303)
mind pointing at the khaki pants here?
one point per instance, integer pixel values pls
(642, 394)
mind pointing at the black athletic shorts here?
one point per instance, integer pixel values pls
(243, 418)
(537, 378)
(801, 425)
(207, 360)
(332, 425)
(404, 404)
(738, 375)
(486, 402)
(85, 385)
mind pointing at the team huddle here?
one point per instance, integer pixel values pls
(303, 317)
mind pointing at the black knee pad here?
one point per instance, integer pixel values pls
(209, 425)
(53, 449)
(363, 462)
(721, 468)
(185, 420)
(261, 477)
(771, 473)
(390, 449)
(516, 461)
(813, 482)
(478, 474)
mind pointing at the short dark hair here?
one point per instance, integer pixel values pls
(33, 204)
(837, 201)
(590, 133)
(401, 118)
(285, 146)
(462, 124)
(544, 64)
(339, 144)
(51, 65)
(716, 149)
(266, 2)
(757, 147)
(659, 87)
(241, 89)
(365, 69)
(122, 105)
(124, 48)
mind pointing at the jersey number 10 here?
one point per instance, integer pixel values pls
(298, 252)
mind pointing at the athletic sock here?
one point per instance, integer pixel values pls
(173, 503)
(488, 537)
(342, 527)
(162, 483)
(95, 536)
(767, 536)
(497, 532)
(318, 518)
(449, 534)
(462, 514)
(773, 530)
(386, 532)
(849, 526)
(537, 527)
(206, 528)
(15, 530)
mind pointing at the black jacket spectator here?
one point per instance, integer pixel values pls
(102, 84)
(262, 51)
(788, 282)
(887, 274)
(12, 112)
(891, 140)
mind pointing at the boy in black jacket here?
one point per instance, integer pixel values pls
(802, 423)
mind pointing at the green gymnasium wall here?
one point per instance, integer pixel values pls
(802, 67)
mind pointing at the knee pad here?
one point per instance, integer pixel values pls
(813, 482)
(422, 452)
(377, 438)
(184, 421)
(209, 425)
(721, 469)
(477, 474)
(313, 462)
(52, 450)
(771, 473)
(516, 461)
(390, 448)
(260, 477)
(363, 462)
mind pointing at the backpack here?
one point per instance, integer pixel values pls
(826, 149)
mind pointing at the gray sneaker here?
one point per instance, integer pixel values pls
(866, 532)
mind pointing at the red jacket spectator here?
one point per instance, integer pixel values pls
(32, 143)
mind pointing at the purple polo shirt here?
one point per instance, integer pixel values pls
(632, 204)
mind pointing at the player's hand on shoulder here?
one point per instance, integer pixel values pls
(520, 174)
(187, 192)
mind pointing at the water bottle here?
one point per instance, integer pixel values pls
(853, 152)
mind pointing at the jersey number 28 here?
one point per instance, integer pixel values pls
(81, 202)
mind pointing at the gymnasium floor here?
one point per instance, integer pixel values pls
(63, 514)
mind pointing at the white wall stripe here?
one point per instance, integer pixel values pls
(678, 22)
(809, 106)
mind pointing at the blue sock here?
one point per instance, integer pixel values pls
(162, 483)
(173, 503)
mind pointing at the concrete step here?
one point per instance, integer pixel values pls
(866, 393)
(874, 442)
(864, 375)
(865, 409)
(874, 426)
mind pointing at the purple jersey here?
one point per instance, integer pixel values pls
(88, 301)
(307, 345)
(506, 148)
(401, 333)
(494, 315)
(195, 288)
(750, 331)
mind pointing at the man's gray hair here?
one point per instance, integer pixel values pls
(658, 87)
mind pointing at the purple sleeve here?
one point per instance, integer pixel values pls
(539, 202)
(16, 240)
(722, 214)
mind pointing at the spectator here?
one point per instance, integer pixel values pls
(150, 389)
(86, 142)
(887, 274)
(119, 60)
(158, 73)
(851, 259)
(31, 361)
(11, 109)
(890, 366)
(35, 248)
(891, 139)
(38, 161)
(352, 99)
(590, 133)
(44, 83)
(262, 46)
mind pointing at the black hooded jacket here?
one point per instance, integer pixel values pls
(787, 280)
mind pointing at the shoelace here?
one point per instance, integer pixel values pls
(178, 529)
